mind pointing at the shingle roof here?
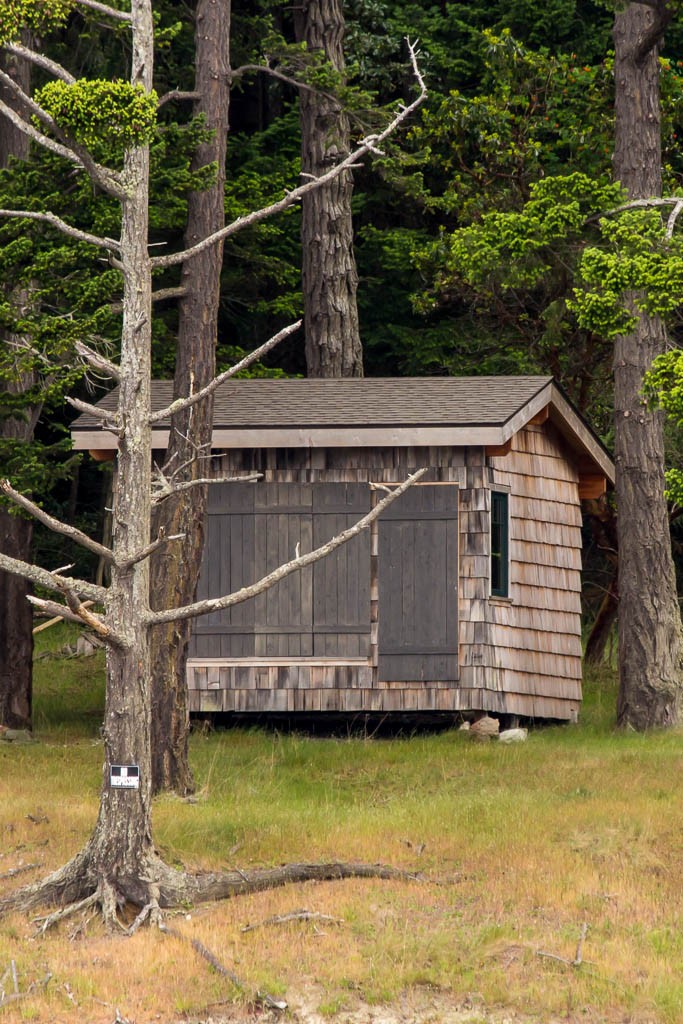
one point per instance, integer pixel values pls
(370, 401)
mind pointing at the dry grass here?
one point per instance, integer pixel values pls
(524, 844)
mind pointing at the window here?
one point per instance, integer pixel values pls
(499, 544)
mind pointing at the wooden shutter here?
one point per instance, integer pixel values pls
(418, 586)
(321, 611)
(341, 580)
(227, 565)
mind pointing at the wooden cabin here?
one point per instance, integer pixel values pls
(464, 596)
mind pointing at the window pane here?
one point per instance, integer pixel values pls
(499, 544)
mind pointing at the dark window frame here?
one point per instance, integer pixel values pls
(500, 544)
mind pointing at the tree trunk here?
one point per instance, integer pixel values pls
(175, 570)
(329, 276)
(16, 533)
(650, 670)
(16, 624)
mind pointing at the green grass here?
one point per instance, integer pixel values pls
(581, 823)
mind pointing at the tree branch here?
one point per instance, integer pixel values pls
(41, 61)
(185, 403)
(368, 145)
(165, 489)
(149, 550)
(61, 225)
(177, 94)
(246, 69)
(111, 12)
(215, 604)
(51, 580)
(98, 361)
(108, 418)
(54, 524)
(67, 148)
(82, 617)
(161, 295)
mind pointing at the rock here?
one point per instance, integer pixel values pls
(513, 736)
(484, 728)
(15, 735)
(465, 727)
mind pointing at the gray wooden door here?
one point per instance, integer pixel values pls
(418, 586)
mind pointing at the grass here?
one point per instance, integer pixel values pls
(526, 843)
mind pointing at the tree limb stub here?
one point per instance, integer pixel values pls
(366, 146)
(186, 403)
(227, 601)
(54, 524)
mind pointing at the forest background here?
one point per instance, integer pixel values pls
(516, 96)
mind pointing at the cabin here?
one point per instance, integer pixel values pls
(464, 596)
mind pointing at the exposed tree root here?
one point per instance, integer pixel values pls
(79, 886)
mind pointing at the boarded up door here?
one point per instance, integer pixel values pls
(418, 586)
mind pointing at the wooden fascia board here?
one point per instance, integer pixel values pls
(319, 437)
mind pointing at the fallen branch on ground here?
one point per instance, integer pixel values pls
(578, 957)
(295, 915)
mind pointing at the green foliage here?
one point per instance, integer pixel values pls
(38, 15)
(95, 111)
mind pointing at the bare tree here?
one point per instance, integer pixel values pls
(650, 638)
(119, 862)
(328, 267)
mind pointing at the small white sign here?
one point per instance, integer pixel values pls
(124, 776)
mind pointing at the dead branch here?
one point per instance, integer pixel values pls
(149, 550)
(111, 12)
(98, 361)
(54, 524)
(578, 956)
(61, 225)
(108, 418)
(185, 403)
(51, 580)
(367, 145)
(261, 997)
(80, 617)
(55, 619)
(164, 489)
(177, 94)
(41, 61)
(161, 295)
(295, 915)
(191, 611)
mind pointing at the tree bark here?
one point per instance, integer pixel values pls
(650, 638)
(329, 275)
(16, 533)
(175, 569)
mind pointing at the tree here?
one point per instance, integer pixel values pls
(174, 574)
(650, 637)
(16, 532)
(329, 275)
(119, 862)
